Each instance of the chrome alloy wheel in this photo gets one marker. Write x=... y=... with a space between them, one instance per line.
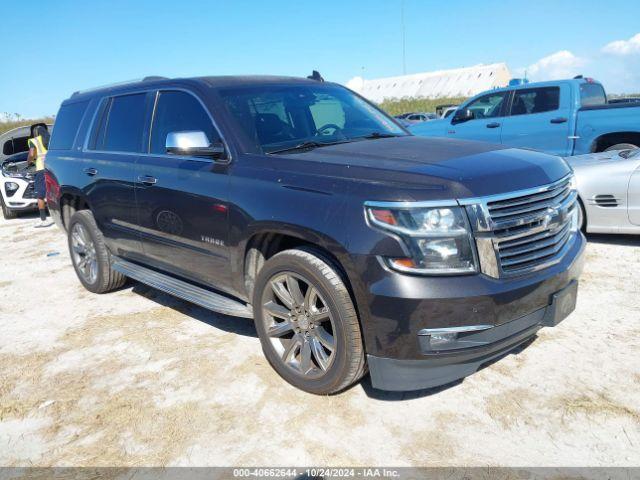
x=299 y=324
x=83 y=252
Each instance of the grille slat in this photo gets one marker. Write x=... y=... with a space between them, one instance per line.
x=529 y=204
x=549 y=240
x=540 y=251
x=532 y=230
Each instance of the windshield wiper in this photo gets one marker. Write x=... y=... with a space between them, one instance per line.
x=307 y=145
x=374 y=135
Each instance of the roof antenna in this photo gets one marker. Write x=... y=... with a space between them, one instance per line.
x=316 y=76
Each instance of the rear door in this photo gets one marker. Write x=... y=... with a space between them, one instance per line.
x=539 y=118
x=182 y=200
x=112 y=150
x=486 y=125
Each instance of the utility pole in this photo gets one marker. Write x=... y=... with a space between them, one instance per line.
x=404 y=46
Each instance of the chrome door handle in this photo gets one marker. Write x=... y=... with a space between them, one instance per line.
x=92 y=172
x=147 y=179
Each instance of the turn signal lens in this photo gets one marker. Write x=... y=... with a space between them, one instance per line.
x=384 y=216
x=402 y=263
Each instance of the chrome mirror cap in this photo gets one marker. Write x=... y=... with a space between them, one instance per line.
x=186 y=142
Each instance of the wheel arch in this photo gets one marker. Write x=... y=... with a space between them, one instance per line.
x=71 y=200
x=607 y=140
x=264 y=243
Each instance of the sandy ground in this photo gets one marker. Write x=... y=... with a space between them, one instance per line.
x=138 y=378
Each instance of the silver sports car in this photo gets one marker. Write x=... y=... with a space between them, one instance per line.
x=609 y=187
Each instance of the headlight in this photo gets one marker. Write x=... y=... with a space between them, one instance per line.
x=438 y=238
x=11 y=188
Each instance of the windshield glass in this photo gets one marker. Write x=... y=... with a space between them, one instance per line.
x=280 y=117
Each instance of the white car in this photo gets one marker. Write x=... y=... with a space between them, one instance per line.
x=17 y=193
x=608 y=184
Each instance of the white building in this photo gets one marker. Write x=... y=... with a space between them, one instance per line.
x=459 y=82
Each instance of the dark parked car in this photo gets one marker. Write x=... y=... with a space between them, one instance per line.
x=351 y=243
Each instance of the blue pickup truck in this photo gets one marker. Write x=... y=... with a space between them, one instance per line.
x=565 y=117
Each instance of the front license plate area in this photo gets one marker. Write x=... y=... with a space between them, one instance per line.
x=562 y=304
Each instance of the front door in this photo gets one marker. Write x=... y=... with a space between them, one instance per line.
x=182 y=200
x=540 y=119
x=486 y=124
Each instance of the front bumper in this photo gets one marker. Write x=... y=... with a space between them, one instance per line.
x=449 y=365
x=402 y=309
x=24 y=197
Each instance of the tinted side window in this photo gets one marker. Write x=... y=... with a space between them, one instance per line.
x=487 y=106
x=535 y=100
x=592 y=94
x=178 y=112
x=121 y=125
x=67 y=123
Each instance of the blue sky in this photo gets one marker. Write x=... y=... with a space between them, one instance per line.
x=75 y=45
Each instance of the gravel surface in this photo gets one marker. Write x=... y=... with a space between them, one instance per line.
x=136 y=378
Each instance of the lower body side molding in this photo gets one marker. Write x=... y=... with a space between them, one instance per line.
x=184 y=290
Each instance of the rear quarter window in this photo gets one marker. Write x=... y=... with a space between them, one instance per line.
x=67 y=123
x=592 y=94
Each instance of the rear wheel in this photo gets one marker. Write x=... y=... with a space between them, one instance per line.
x=89 y=254
x=7 y=213
x=621 y=146
x=307 y=323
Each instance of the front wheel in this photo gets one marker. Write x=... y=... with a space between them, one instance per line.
x=582 y=217
x=7 y=213
x=621 y=146
x=307 y=323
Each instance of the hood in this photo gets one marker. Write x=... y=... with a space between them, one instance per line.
x=16 y=166
x=463 y=168
x=594 y=158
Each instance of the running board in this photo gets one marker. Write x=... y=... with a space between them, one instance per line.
x=184 y=290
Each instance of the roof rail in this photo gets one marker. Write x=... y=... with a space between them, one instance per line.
x=150 y=78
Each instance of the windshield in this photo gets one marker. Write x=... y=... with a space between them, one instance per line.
x=282 y=117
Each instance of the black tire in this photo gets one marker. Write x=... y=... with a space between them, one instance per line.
x=347 y=363
x=621 y=146
x=106 y=279
x=7 y=213
x=582 y=217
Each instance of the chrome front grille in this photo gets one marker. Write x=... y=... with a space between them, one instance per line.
x=525 y=231
x=533 y=204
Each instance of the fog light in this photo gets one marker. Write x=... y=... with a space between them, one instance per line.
x=439 y=339
x=11 y=188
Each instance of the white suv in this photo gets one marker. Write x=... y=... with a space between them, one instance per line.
x=17 y=193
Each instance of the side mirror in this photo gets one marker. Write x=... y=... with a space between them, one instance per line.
x=463 y=116
x=193 y=143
